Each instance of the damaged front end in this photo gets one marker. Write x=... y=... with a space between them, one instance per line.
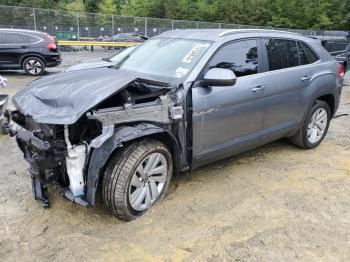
x=72 y=155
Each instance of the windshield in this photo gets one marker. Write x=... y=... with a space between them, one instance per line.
x=121 y=55
x=165 y=57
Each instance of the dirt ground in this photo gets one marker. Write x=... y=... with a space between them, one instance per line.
x=275 y=203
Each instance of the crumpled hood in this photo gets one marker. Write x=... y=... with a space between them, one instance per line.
x=64 y=98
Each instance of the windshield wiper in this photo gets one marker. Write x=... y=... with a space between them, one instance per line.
x=116 y=66
x=153 y=83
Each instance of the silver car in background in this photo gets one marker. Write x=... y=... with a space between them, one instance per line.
x=104 y=62
x=179 y=101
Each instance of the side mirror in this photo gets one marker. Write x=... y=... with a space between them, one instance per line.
x=219 y=77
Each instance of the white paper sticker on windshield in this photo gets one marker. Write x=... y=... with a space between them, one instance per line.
x=193 y=53
x=181 y=72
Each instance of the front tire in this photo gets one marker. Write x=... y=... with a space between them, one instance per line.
x=34 y=66
x=315 y=126
x=136 y=178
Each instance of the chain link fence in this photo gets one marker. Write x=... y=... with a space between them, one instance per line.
x=68 y=25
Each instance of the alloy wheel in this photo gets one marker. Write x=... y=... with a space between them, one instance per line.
x=317 y=125
x=34 y=67
x=148 y=181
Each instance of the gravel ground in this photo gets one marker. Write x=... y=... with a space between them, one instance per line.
x=274 y=203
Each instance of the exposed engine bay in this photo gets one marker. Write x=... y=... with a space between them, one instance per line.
x=64 y=154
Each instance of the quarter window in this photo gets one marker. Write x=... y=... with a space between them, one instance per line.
x=240 y=57
x=12 y=38
x=282 y=53
x=31 y=39
x=307 y=56
x=310 y=54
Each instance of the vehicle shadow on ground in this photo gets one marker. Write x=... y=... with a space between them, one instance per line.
x=254 y=154
x=206 y=172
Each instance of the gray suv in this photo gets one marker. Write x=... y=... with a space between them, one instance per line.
x=178 y=101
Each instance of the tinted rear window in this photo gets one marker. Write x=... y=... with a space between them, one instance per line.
x=12 y=38
x=31 y=39
x=282 y=53
x=335 y=47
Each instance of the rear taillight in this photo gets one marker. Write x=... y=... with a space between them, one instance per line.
x=51 y=44
x=340 y=71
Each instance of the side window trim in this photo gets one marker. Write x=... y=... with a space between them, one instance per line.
x=299 y=44
x=259 y=46
x=264 y=56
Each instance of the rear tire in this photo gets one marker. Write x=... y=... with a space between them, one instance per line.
x=130 y=186
x=34 y=66
x=315 y=126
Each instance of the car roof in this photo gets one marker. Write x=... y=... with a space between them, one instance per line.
x=221 y=34
x=11 y=30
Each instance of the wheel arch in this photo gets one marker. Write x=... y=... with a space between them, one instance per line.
x=123 y=135
x=330 y=100
x=25 y=56
x=327 y=97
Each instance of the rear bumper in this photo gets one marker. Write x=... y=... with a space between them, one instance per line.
x=53 y=60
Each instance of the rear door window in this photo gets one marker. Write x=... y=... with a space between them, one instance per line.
x=282 y=53
x=241 y=57
x=12 y=38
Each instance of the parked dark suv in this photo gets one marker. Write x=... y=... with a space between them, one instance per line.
x=176 y=102
x=31 y=51
x=339 y=48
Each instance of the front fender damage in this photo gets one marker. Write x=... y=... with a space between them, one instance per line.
x=77 y=153
x=100 y=155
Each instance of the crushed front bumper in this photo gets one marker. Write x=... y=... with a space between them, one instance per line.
x=35 y=153
x=46 y=158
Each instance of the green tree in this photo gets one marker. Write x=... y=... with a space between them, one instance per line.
x=308 y=14
x=108 y=7
x=137 y=7
x=76 y=5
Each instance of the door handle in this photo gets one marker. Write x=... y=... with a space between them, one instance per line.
x=24 y=47
x=305 y=78
x=258 y=89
